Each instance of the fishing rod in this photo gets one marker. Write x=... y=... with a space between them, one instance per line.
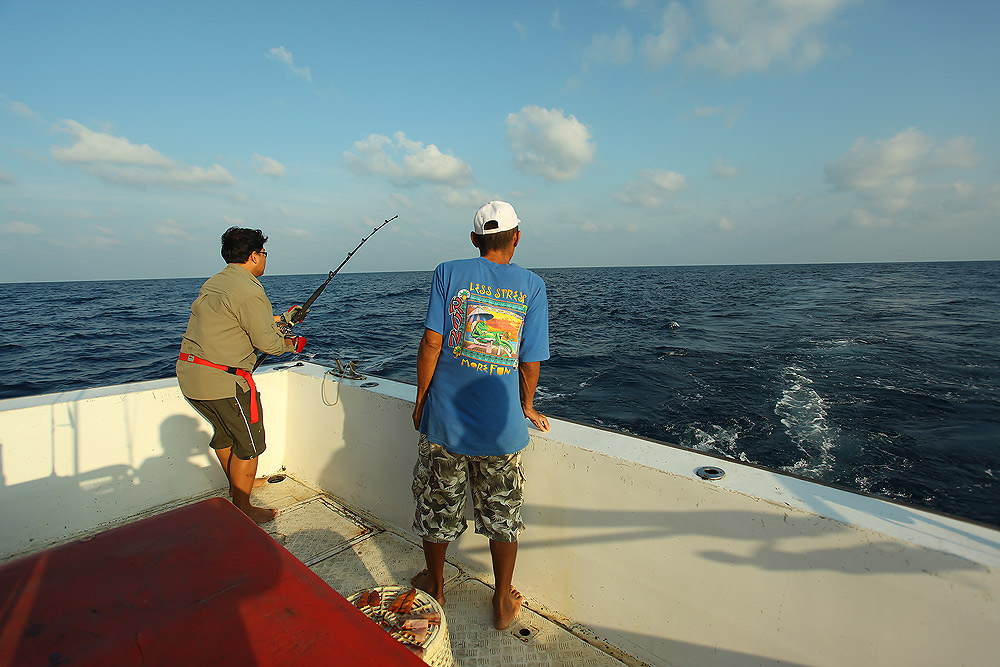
x=300 y=314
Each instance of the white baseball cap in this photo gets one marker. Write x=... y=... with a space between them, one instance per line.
x=494 y=217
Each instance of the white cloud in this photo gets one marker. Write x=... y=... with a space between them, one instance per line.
x=99 y=147
x=101 y=239
x=554 y=20
x=21 y=228
x=282 y=55
x=615 y=49
x=675 y=26
x=752 y=35
x=117 y=160
x=406 y=162
x=23 y=110
x=730 y=113
x=890 y=175
x=548 y=143
x=723 y=169
x=862 y=218
x=296 y=232
x=963 y=188
x=401 y=200
x=652 y=189
x=706 y=111
x=725 y=224
x=267 y=166
x=5 y=177
x=521 y=28
x=883 y=173
x=471 y=199
x=959 y=153
x=171 y=232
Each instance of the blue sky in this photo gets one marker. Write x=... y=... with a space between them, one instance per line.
x=624 y=132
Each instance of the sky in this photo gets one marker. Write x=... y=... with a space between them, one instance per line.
x=624 y=132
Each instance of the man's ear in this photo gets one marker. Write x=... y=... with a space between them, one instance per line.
x=472 y=237
x=517 y=237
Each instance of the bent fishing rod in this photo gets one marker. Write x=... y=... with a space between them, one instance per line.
x=300 y=314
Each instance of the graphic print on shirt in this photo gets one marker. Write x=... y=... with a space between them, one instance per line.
x=486 y=332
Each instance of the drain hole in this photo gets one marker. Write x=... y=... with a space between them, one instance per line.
x=274 y=479
x=524 y=632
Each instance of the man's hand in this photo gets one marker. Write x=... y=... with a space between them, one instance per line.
x=427 y=358
x=298 y=342
x=540 y=421
x=292 y=316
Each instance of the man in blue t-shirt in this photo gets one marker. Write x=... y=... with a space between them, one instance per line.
x=485 y=336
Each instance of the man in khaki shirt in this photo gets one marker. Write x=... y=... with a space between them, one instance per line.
x=230 y=321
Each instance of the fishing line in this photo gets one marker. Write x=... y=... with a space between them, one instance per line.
x=300 y=314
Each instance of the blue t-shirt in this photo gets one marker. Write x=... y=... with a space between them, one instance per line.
x=491 y=317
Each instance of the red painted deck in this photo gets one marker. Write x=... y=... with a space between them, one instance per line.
x=200 y=585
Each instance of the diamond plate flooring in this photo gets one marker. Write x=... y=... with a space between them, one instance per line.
x=351 y=553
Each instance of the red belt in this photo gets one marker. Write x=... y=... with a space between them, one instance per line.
x=254 y=416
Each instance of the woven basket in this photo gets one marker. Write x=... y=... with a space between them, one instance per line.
x=436 y=645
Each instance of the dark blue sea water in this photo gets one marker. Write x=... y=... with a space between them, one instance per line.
x=883 y=378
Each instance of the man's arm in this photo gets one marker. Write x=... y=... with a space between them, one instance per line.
x=427 y=358
x=527 y=375
x=255 y=315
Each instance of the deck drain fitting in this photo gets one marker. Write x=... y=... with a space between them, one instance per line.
x=274 y=479
x=368 y=385
x=710 y=472
x=524 y=632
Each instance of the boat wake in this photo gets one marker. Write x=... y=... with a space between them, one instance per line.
x=803 y=412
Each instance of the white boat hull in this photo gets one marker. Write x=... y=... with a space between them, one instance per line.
x=623 y=539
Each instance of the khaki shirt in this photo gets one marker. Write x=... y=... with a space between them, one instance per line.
x=229 y=320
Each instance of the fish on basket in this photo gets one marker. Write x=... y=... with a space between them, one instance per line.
x=403 y=603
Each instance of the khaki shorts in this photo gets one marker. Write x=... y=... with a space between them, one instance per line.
x=440 y=484
x=230 y=417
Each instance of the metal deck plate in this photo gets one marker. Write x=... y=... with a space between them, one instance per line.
x=282 y=495
x=384 y=559
x=317 y=528
x=531 y=640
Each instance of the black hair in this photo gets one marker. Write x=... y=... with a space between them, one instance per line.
x=239 y=243
x=496 y=241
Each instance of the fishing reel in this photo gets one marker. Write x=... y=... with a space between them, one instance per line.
x=290 y=318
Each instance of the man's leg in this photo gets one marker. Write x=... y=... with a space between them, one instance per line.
x=506 y=599
x=431 y=580
x=439 y=488
x=224 y=455
x=241 y=474
x=498 y=517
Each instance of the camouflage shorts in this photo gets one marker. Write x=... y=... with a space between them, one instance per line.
x=440 y=483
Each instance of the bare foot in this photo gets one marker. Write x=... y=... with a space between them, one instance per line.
x=259 y=514
x=422 y=580
x=506 y=608
x=260 y=481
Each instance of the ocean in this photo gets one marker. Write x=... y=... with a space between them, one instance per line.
x=881 y=378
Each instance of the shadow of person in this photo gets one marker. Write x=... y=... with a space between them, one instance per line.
x=174 y=474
